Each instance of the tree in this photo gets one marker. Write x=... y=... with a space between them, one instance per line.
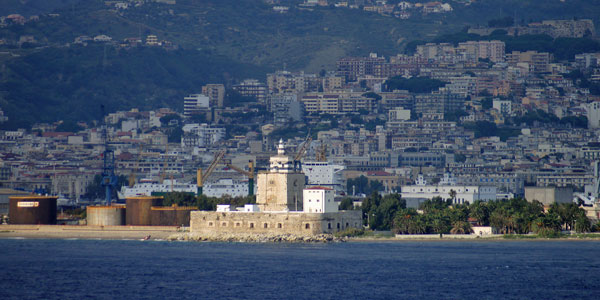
x=387 y=209
x=372 y=95
x=439 y=223
x=499 y=220
x=501 y=22
x=548 y=225
x=487 y=102
x=461 y=227
x=434 y=205
x=346 y=204
x=583 y=224
x=175 y=135
x=179 y=199
x=452 y=195
x=68 y=126
x=460 y=158
x=413 y=85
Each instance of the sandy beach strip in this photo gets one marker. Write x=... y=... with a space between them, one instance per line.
x=87 y=232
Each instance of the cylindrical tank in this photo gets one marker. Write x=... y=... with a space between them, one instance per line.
x=171 y=215
x=32 y=210
x=138 y=210
x=106 y=215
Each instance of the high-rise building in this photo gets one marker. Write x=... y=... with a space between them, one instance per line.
x=252 y=88
x=538 y=61
x=353 y=67
x=195 y=104
x=215 y=93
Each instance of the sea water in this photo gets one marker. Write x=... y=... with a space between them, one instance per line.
x=107 y=269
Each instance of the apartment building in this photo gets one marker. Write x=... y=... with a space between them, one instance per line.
x=215 y=93
x=194 y=104
x=252 y=88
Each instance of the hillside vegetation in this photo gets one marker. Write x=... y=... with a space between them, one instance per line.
x=220 y=41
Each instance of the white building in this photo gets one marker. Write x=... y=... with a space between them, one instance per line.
x=399 y=114
x=593 y=114
x=226 y=186
x=464 y=193
x=146 y=187
x=319 y=200
x=502 y=106
x=195 y=103
x=326 y=174
x=201 y=135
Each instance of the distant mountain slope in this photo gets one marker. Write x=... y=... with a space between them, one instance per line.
x=32 y=7
x=71 y=83
x=222 y=41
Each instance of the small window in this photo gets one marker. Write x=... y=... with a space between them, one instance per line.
x=210 y=224
x=279 y=225
x=224 y=224
x=251 y=225
x=307 y=226
x=265 y=225
x=237 y=224
x=346 y=225
x=338 y=225
x=328 y=225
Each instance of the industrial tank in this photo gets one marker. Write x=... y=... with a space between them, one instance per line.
x=32 y=210
x=171 y=215
x=138 y=210
x=105 y=215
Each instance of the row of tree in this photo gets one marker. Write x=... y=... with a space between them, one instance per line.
x=439 y=216
x=204 y=202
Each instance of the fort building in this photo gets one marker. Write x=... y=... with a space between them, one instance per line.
x=283 y=206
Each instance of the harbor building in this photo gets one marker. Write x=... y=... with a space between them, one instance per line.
x=283 y=206
x=422 y=191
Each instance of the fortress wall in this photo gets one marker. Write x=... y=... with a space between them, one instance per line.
x=298 y=223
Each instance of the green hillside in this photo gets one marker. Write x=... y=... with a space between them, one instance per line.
x=219 y=41
x=71 y=83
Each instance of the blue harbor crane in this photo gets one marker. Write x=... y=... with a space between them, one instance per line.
x=109 y=179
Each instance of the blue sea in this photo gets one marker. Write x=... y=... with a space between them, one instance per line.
x=108 y=269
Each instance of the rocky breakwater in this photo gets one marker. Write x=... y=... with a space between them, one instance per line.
x=255 y=238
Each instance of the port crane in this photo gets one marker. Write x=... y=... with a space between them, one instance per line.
x=219 y=158
x=301 y=152
x=109 y=179
x=201 y=177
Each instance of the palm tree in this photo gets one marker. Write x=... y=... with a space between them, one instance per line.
x=452 y=195
x=583 y=224
x=480 y=212
x=417 y=225
x=498 y=219
x=461 y=227
x=440 y=223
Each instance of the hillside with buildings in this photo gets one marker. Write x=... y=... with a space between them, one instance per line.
x=385 y=105
x=149 y=54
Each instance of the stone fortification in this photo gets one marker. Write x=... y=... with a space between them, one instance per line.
x=296 y=223
x=280 y=188
x=280 y=191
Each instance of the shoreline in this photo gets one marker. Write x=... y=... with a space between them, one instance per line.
x=174 y=233
x=87 y=232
